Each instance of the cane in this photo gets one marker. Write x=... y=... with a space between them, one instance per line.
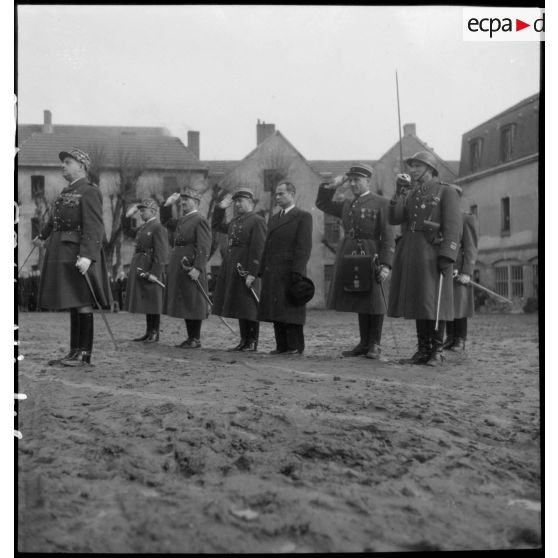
x=243 y=273
x=439 y=300
x=496 y=295
x=202 y=291
x=88 y=281
x=25 y=261
x=146 y=273
x=376 y=261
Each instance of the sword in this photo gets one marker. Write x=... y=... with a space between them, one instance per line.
x=202 y=291
x=439 y=300
x=88 y=281
x=471 y=282
x=25 y=261
x=151 y=280
x=243 y=274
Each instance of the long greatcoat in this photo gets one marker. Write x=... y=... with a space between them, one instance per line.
x=246 y=238
x=287 y=249
x=365 y=218
x=192 y=239
x=74 y=228
x=151 y=255
x=463 y=299
x=415 y=277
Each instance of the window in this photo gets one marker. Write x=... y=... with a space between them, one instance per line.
x=170 y=185
x=505 y=215
x=502 y=280
x=475 y=154
x=516 y=280
x=37 y=187
x=271 y=178
x=332 y=229
x=507 y=137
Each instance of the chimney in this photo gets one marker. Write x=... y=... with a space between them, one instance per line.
x=194 y=143
x=410 y=129
x=263 y=131
x=47 y=122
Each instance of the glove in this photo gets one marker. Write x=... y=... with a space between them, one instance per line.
x=382 y=273
x=463 y=278
x=249 y=280
x=402 y=183
x=131 y=210
x=38 y=242
x=444 y=264
x=83 y=264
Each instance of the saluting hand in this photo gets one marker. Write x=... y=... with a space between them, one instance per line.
x=226 y=201
x=83 y=264
x=131 y=210
x=173 y=198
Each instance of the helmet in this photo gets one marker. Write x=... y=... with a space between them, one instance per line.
x=426 y=158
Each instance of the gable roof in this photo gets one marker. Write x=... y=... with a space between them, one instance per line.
x=157 y=152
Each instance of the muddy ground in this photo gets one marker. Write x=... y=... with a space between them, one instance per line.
x=161 y=449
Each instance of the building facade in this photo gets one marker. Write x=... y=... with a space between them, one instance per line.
x=499 y=174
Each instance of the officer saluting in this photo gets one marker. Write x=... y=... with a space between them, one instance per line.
x=192 y=243
x=368 y=234
x=144 y=295
x=246 y=237
x=75 y=232
x=422 y=284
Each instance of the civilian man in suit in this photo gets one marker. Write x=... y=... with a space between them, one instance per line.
x=74 y=237
x=286 y=252
x=246 y=237
x=192 y=240
x=367 y=232
x=144 y=295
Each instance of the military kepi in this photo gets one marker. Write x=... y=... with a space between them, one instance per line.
x=361 y=169
x=149 y=203
x=243 y=193
x=77 y=154
x=191 y=193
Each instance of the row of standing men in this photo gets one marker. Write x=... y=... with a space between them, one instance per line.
x=263 y=274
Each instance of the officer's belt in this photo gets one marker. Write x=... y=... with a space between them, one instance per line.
x=420 y=228
x=238 y=244
x=142 y=250
x=356 y=235
x=181 y=243
x=61 y=228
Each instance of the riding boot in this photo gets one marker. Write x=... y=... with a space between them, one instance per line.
x=450 y=335
x=85 y=342
x=74 y=339
x=437 y=354
x=424 y=343
x=252 y=335
x=364 y=343
x=153 y=336
x=243 y=336
x=147 y=329
x=376 y=322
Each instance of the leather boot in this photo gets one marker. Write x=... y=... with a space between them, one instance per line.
x=437 y=355
x=374 y=352
x=152 y=337
x=240 y=346
x=83 y=358
x=458 y=346
x=251 y=346
x=74 y=339
x=148 y=328
x=358 y=350
x=190 y=343
x=449 y=343
x=73 y=354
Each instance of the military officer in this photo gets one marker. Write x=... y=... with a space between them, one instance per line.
x=73 y=236
x=192 y=243
x=463 y=298
x=237 y=285
x=367 y=232
x=285 y=255
x=144 y=291
x=421 y=285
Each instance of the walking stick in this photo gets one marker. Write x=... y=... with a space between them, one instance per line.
x=88 y=281
x=439 y=300
x=471 y=282
x=25 y=261
x=386 y=306
x=142 y=272
x=202 y=291
x=243 y=273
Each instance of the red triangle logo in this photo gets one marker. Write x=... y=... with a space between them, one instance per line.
x=519 y=25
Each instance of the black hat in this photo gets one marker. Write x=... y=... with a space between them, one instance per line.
x=361 y=169
x=243 y=193
x=301 y=291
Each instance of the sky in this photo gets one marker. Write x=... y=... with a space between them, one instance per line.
x=324 y=75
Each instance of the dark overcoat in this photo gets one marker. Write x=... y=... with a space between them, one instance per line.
x=463 y=299
x=75 y=228
x=286 y=251
x=415 y=278
x=151 y=255
x=246 y=237
x=192 y=239
x=366 y=227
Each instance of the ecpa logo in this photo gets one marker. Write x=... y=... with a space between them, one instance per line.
x=503 y=24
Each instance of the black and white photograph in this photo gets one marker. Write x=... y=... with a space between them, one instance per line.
x=277 y=278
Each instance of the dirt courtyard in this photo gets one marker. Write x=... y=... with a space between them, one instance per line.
x=161 y=449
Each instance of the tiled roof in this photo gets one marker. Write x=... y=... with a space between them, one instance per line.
x=25 y=131
x=156 y=151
